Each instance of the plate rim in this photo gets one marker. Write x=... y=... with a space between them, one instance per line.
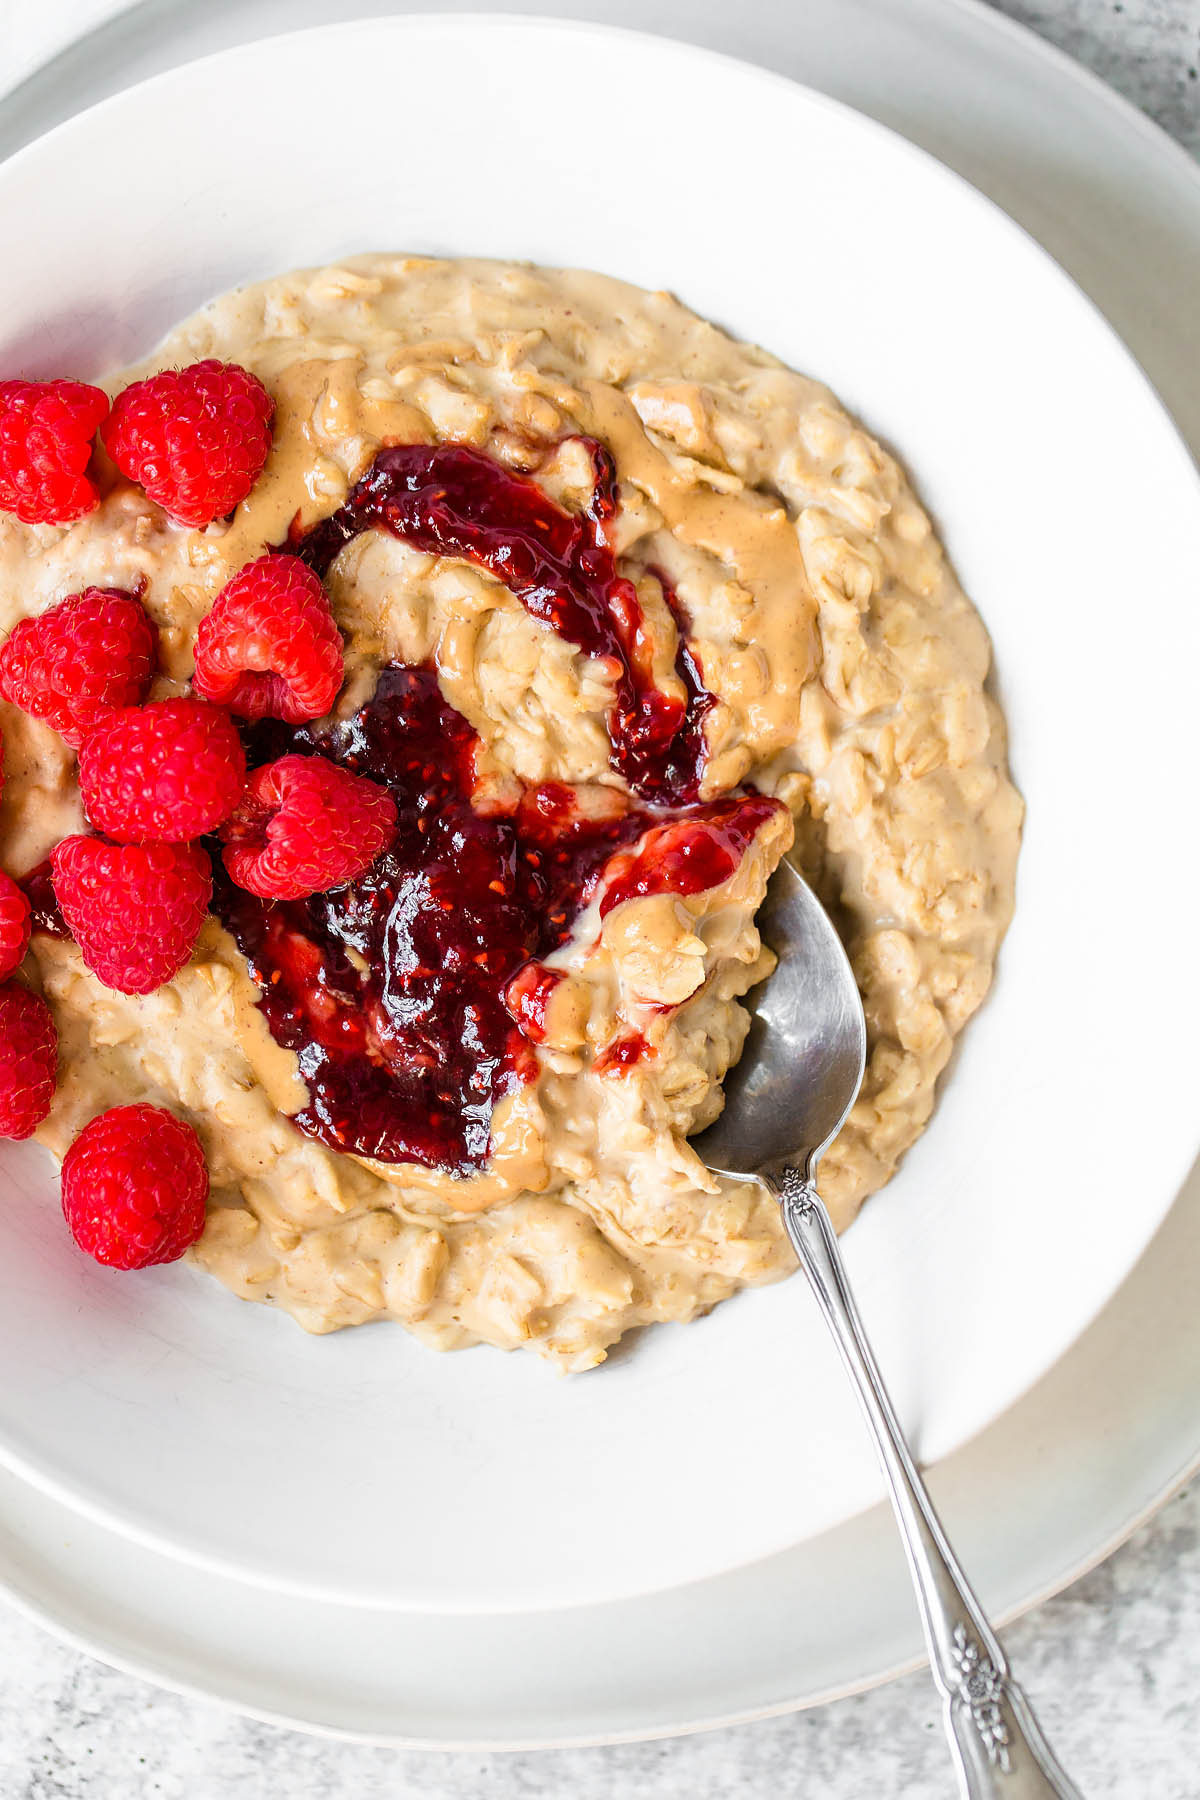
x=43 y=1613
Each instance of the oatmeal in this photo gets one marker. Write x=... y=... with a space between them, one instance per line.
x=630 y=612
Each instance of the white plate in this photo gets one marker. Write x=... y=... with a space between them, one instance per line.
x=1121 y=205
x=1095 y=1445
x=362 y=1467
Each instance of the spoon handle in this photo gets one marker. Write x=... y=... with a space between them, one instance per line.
x=997 y=1744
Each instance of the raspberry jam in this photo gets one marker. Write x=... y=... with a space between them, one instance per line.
x=688 y=855
x=451 y=500
x=414 y=996
x=45 y=915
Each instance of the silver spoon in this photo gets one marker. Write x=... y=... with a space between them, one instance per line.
x=785 y=1102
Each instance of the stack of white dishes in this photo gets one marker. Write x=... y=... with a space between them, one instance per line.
x=344 y=1532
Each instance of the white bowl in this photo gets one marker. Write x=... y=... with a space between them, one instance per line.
x=361 y=1466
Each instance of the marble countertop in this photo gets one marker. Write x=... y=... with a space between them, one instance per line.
x=1114 y=1662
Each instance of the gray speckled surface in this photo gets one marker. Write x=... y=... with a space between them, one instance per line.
x=1114 y=1662
x=1148 y=49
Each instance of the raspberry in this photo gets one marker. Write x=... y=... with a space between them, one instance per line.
x=269 y=647
x=134 y=1187
x=14 y=925
x=304 y=825
x=46 y=432
x=171 y=770
x=28 y=1059
x=196 y=438
x=135 y=910
x=77 y=663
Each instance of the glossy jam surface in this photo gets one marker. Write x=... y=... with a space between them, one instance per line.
x=452 y=500
x=623 y=1053
x=393 y=990
x=413 y=997
x=691 y=854
x=45 y=914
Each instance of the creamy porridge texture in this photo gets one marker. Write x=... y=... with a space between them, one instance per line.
x=768 y=537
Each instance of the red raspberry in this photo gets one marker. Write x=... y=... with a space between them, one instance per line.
x=77 y=663
x=134 y=1187
x=28 y=1060
x=269 y=647
x=46 y=432
x=304 y=825
x=196 y=438
x=14 y=925
x=135 y=910
x=171 y=770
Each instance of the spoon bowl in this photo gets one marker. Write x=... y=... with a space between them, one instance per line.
x=803 y=1060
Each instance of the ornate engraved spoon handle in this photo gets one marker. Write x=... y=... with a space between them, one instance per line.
x=997 y=1744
